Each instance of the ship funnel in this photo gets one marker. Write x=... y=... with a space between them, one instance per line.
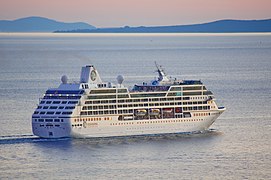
x=90 y=75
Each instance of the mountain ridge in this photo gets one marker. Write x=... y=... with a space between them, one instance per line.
x=40 y=24
x=219 y=26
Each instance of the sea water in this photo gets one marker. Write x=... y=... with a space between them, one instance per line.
x=235 y=67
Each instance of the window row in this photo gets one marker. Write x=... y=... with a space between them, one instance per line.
x=52 y=112
x=99 y=107
x=202 y=114
x=156 y=122
x=137 y=100
x=158 y=115
x=49 y=125
x=56 y=107
x=48 y=120
x=93 y=119
x=58 y=102
x=196 y=108
x=113 y=107
x=61 y=97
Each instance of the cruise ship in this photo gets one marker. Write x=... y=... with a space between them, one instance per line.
x=94 y=108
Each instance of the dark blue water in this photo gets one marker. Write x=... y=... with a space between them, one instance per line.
x=236 y=67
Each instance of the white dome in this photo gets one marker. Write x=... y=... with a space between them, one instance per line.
x=120 y=79
x=64 y=79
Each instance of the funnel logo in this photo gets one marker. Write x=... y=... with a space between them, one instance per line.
x=93 y=75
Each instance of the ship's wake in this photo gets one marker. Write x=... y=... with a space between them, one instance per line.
x=25 y=138
x=28 y=138
x=152 y=137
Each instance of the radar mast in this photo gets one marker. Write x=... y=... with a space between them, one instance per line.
x=162 y=75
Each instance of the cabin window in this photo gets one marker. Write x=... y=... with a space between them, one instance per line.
x=192 y=88
x=83 y=113
x=89 y=108
x=122 y=90
x=69 y=107
x=88 y=102
x=192 y=93
x=104 y=102
x=176 y=89
x=103 y=91
x=72 y=102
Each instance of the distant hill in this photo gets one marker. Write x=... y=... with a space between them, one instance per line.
x=40 y=24
x=222 y=26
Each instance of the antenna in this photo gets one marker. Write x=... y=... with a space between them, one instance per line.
x=162 y=75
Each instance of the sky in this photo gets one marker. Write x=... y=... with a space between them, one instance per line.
x=118 y=13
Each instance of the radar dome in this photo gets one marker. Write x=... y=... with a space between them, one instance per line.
x=120 y=79
x=64 y=79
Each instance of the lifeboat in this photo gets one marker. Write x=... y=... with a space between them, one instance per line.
x=154 y=112
x=141 y=112
x=167 y=110
x=128 y=118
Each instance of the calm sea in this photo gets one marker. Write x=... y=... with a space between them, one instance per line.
x=236 y=67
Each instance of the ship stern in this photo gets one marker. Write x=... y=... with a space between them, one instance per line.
x=51 y=128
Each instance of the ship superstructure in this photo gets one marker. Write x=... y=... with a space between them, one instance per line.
x=93 y=108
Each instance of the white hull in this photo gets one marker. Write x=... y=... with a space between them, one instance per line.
x=115 y=127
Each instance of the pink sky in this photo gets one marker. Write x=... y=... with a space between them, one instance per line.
x=112 y=13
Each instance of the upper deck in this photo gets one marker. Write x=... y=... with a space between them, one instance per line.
x=92 y=96
x=92 y=85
